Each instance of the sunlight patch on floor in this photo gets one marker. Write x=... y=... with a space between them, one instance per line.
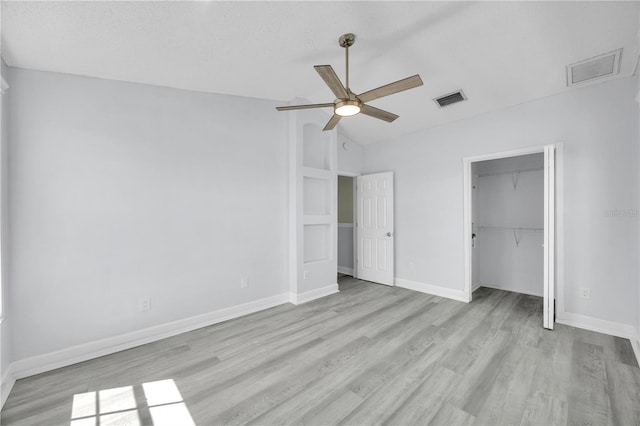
x=118 y=406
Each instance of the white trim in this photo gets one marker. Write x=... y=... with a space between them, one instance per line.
x=8 y=380
x=434 y=290
x=83 y=352
x=308 y=296
x=635 y=344
x=348 y=174
x=598 y=325
x=559 y=227
x=505 y=154
x=345 y=225
x=528 y=293
x=345 y=270
x=549 y=237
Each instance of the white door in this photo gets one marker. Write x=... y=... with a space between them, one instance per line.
x=374 y=228
x=549 y=237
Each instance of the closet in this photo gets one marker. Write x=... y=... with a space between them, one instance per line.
x=508 y=224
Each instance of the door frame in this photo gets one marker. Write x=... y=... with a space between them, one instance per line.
x=355 y=216
x=554 y=223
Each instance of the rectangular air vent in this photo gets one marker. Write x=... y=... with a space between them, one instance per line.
x=451 y=98
x=605 y=65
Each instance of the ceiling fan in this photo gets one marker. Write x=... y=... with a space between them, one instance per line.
x=347 y=102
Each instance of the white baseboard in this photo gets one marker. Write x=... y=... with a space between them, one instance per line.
x=448 y=293
x=345 y=270
x=504 y=289
x=598 y=325
x=635 y=344
x=83 y=352
x=308 y=296
x=8 y=380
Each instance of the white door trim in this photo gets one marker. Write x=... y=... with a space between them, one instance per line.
x=549 y=237
x=348 y=174
x=558 y=274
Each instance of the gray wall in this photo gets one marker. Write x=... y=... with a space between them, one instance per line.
x=5 y=327
x=345 y=247
x=345 y=199
x=598 y=127
x=349 y=155
x=637 y=138
x=121 y=191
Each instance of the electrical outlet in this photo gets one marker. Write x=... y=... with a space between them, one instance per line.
x=305 y=275
x=144 y=303
x=244 y=283
x=585 y=293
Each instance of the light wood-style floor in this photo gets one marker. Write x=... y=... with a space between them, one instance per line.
x=369 y=355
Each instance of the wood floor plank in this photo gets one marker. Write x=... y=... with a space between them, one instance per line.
x=623 y=383
x=544 y=409
x=588 y=401
x=422 y=405
x=371 y=354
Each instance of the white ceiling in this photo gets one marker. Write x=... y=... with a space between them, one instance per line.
x=499 y=53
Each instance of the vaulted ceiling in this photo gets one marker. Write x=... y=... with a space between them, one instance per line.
x=499 y=53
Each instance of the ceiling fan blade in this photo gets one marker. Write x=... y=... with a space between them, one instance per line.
x=332 y=122
x=378 y=113
x=391 y=88
x=289 y=108
x=331 y=78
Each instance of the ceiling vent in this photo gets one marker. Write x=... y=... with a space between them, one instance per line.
x=601 y=66
x=451 y=98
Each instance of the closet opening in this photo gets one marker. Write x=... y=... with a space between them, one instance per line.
x=510 y=225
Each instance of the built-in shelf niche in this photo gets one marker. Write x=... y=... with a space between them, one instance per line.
x=317 y=243
x=316 y=149
x=317 y=196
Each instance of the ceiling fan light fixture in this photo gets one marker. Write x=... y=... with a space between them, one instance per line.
x=346 y=102
x=347 y=108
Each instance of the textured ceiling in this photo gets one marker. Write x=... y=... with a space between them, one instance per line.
x=499 y=53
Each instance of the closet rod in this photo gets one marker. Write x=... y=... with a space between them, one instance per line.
x=506 y=172
x=508 y=228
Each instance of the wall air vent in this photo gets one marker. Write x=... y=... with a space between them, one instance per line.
x=450 y=98
x=601 y=66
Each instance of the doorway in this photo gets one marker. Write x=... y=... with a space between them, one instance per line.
x=365 y=235
x=346 y=216
x=509 y=224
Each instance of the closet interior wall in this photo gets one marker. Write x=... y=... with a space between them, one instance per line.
x=507 y=206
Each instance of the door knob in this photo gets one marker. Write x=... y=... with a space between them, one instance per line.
x=388 y=234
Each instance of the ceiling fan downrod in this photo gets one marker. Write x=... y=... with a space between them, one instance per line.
x=347 y=40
